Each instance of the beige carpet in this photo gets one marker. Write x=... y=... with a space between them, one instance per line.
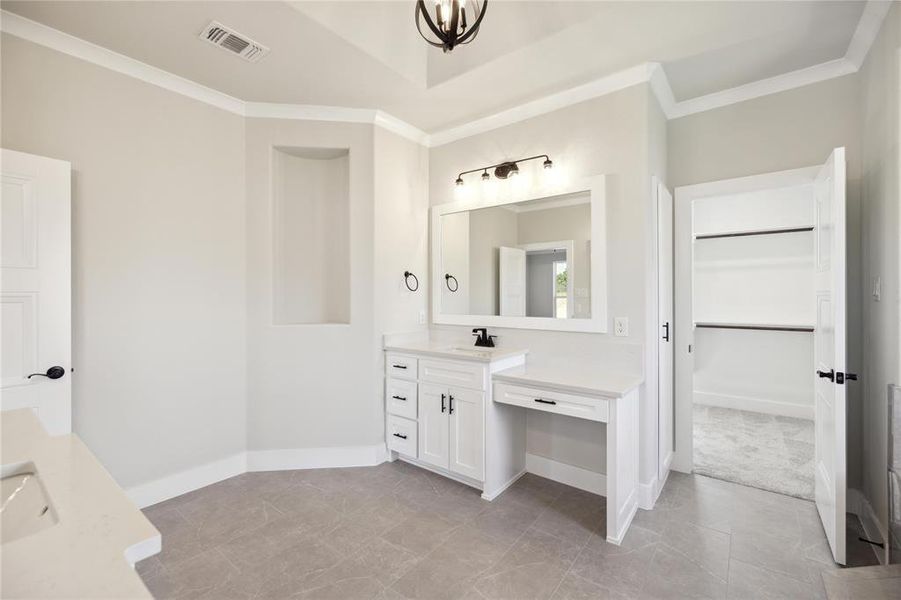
x=763 y=451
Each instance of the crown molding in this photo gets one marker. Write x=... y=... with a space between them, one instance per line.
x=401 y=128
x=868 y=27
x=763 y=87
x=65 y=43
x=43 y=35
x=593 y=89
x=308 y=112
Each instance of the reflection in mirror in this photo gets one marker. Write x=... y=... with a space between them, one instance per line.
x=528 y=259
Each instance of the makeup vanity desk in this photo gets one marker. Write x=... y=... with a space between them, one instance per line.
x=463 y=415
x=584 y=392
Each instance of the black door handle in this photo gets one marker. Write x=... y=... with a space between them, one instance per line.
x=398 y=435
x=450 y=405
x=399 y=398
x=543 y=401
x=443 y=408
x=666 y=335
x=830 y=375
x=52 y=373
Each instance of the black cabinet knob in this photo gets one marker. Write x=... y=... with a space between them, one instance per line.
x=52 y=373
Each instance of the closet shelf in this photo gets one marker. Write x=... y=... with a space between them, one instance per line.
x=755 y=326
x=778 y=230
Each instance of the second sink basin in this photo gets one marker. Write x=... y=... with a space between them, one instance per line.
x=25 y=508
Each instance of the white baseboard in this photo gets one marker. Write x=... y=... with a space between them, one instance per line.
x=186 y=481
x=164 y=488
x=316 y=458
x=503 y=488
x=858 y=504
x=650 y=491
x=577 y=477
x=759 y=405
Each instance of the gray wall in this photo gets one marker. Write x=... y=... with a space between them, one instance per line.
x=158 y=258
x=606 y=135
x=880 y=198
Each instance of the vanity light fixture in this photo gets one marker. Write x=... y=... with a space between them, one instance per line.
x=450 y=26
x=505 y=170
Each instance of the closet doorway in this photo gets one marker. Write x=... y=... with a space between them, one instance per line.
x=760 y=348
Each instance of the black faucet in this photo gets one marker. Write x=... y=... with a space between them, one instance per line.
x=482 y=337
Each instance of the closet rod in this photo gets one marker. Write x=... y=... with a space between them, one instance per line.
x=708 y=236
x=805 y=328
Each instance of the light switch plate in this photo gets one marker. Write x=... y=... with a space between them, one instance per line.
x=877 y=289
x=621 y=326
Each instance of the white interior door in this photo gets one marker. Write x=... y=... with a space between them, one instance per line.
x=665 y=380
x=433 y=406
x=467 y=432
x=829 y=351
x=512 y=275
x=35 y=288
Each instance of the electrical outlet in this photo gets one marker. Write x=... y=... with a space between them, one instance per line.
x=423 y=317
x=621 y=326
x=877 y=289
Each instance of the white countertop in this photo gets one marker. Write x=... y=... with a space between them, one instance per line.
x=455 y=351
x=574 y=377
x=87 y=554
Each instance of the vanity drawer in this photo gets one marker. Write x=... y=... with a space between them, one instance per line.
x=582 y=407
x=401 y=435
x=400 y=365
x=401 y=397
x=467 y=375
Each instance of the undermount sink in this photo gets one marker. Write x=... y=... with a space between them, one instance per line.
x=472 y=351
x=25 y=508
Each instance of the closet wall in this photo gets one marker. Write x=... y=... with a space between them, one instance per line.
x=754 y=281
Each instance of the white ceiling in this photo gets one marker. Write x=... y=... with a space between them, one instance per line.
x=367 y=54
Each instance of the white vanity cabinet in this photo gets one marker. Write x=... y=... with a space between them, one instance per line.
x=452 y=429
x=444 y=395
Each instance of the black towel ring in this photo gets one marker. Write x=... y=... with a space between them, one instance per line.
x=447 y=278
x=407 y=276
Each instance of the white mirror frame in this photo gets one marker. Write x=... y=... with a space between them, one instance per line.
x=597 y=189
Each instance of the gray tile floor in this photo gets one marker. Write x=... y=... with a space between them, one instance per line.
x=397 y=531
x=769 y=452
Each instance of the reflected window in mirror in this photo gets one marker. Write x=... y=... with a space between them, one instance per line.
x=523 y=259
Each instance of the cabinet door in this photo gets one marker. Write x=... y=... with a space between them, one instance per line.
x=433 y=402
x=467 y=432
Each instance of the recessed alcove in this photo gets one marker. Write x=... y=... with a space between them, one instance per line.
x=311 y=235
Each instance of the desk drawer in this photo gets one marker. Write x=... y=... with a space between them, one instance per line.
x=581 y=407
x=452 y=373
x=401 y=365
x=401 y=435
x=401 y=397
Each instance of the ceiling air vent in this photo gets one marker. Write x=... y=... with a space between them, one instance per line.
x=231 y=40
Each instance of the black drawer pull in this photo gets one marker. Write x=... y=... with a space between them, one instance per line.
x=399 y=366
x=543 y=401
x=401 y=436
x=399 y=398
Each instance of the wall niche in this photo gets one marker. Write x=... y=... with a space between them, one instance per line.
x=311 y=235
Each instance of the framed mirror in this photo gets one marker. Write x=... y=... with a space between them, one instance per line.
x=523 y=262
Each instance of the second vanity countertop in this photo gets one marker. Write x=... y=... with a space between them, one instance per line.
x=573 y=377
x=454 y=351
x=86 y=553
